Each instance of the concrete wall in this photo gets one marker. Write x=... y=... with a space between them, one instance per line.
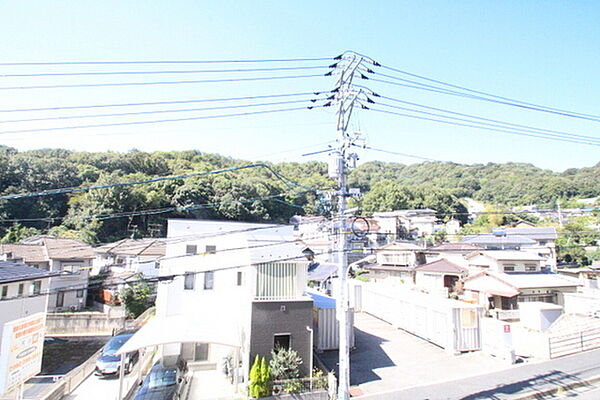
x=269 y=319
x=83 y=323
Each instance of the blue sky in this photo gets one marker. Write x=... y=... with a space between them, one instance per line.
x=544 y=52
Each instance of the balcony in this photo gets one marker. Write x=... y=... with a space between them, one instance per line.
x=505 y=315
x=280 y=281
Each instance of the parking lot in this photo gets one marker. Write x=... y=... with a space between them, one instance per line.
x=386 y=358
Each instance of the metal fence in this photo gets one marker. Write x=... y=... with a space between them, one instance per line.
x=300 y=385
x=570 y=343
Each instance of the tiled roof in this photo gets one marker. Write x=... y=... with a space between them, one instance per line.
x=455 y=247
x=442 y=266
x=489 y=238
x=509 y=255
x=537 y=233
x=67 y=249
x=15 y=272
x=25 y=252
x=138 y=247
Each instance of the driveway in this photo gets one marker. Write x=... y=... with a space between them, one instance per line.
x=387 y=358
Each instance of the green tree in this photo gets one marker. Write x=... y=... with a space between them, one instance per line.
x=285 y=364
x=136 y=297
x=17 y=232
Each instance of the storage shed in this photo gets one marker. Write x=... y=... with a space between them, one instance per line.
x=325 y=323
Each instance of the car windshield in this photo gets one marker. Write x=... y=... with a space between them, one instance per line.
x=160 y=377
x=115 y=344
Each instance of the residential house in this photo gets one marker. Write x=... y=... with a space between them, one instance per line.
x=240 y=286
x=500 y=280
x=22 y=291
x=545 y=242
x=454 y=252
x=406 y=224
x=69 y=259
x=397 y=261
x=440 y=274
x=137 y=256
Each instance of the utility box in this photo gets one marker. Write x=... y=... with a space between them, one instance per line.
x=326 y=325
x=336 y=165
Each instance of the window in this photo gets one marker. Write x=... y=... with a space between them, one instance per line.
x=79 y=293
x=239 y=278
x=210 y=249
x=209 y=280
x=201 y=352
x=282 y=341
x=4 y=291
x=21 y=288
x=36 y=287
x=60 y=299
x=191 y=249
x=189 y=281
x=530 y=267
x=509 y=267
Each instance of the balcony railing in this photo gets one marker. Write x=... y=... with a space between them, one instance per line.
x=505 y=315
x=280 y=281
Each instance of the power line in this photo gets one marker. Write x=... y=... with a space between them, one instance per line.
x=482 y=127
x=567 y=137
x=486 y=93
x=400 y=154
x=484 y=119
x=421 y=86
x=154 y=103
x=125 y=62
x=101 y=73
x=224 y=80
x=159 y=111
x=160 y=121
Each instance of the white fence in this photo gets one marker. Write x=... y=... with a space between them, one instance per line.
x=450 y=324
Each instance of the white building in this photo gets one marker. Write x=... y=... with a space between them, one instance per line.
x=20 y=286
x=70 y=261
x=406 y=224
x=138 y=256
x=231 y=289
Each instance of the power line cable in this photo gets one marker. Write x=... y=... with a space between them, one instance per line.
x=154 y=103
x=486 y=93
x=162 y=72
x=113 y=84
x=482 y=127
x=430 y=88
x=160 y=121
x=126 y=62
x=569 y=137
x=160 y=111
x=484 y=119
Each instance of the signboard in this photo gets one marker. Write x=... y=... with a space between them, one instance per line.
x=21 y=350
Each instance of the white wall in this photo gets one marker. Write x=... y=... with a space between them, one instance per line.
x=22 y=306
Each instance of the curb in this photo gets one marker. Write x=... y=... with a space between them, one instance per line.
x=538 y=395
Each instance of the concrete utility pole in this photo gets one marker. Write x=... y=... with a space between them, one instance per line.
x=341 y=160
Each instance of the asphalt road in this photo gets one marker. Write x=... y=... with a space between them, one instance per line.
x=96 y=388
x=513 y=383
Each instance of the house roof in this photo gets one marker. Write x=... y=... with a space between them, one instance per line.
x=457 y=246
x=508 y=255
x=25 y=252
x=401 y=246
x=490 y=238
x=67 y=249
x=15 y=272
x=509 y=285
x=442 y=266
x=321 y=271
x=536 y=233
x=135 y=247
x=320 y=300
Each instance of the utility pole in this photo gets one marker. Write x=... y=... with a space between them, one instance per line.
x=341 y=160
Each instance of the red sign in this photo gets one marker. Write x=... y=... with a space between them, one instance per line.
x=506 y=328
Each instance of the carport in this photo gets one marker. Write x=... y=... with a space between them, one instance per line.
x=179 y=329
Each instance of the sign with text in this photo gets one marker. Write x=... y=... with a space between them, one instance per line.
x=21 y=350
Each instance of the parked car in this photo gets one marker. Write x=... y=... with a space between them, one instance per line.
x=109 y=363
x=165 y=380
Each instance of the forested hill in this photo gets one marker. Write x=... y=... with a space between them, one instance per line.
x=253 y=194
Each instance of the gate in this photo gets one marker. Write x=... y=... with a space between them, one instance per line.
x=576 y=342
